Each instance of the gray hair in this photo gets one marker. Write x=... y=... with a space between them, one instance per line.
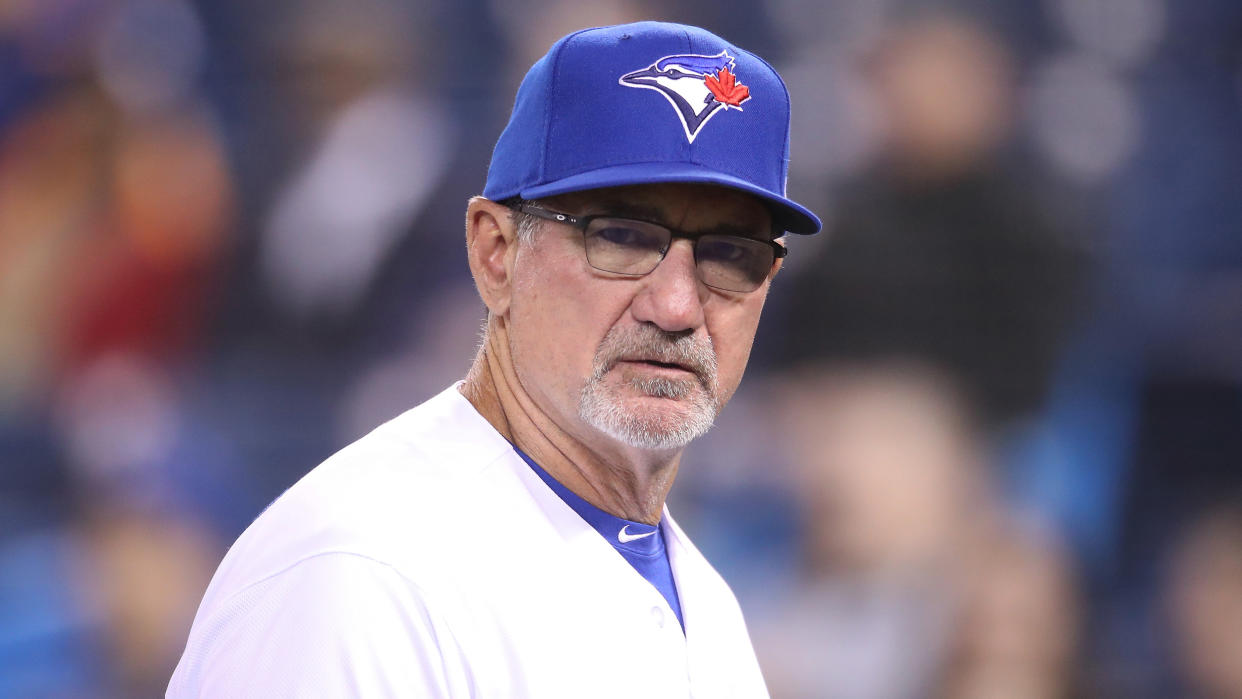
x=525 y=223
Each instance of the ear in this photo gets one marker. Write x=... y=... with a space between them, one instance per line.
x=779 y=264
x=491 y=246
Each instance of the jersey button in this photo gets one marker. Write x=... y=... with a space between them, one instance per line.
x=657 y=615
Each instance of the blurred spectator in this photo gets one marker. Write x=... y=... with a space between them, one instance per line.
x=945 y=89
x=143 y=574
x=935 y=253
x=148 y=278
x=914 y=580
x=1020 y=622
x=92 y=272
x=378 y=145
x=49 y=165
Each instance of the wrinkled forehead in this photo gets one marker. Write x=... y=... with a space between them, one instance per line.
x=683 y=206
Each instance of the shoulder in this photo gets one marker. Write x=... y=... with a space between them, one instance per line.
x=352 y=559
x=397 y=495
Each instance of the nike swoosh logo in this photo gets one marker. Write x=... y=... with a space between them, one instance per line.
x=625 y=538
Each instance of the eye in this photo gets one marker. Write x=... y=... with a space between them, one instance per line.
x=630 y=235
x=733 y=263
x=719 y=249
x=618 y=234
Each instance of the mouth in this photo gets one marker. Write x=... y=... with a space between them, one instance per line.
x=654 y=369
x=657 y=364
x=666 y=365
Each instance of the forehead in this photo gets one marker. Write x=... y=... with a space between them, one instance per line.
x=686 y=206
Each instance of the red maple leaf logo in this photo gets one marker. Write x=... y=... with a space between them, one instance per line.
x=726 y=89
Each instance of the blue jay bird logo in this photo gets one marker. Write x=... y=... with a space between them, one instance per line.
x=697 y=86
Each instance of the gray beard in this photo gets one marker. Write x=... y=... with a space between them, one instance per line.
x=600 y=407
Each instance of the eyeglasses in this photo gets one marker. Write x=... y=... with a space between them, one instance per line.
x=633 y=247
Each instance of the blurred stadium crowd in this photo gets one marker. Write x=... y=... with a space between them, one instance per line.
x=990 y=444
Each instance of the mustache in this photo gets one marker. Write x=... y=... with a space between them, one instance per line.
x=651 y=343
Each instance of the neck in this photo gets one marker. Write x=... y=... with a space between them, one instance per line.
x=624 y=481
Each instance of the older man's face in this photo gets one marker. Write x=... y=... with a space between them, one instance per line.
x=645 y=361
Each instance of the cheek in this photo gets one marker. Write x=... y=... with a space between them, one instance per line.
x=538 y=316
x=732 y=327
x=558 y=318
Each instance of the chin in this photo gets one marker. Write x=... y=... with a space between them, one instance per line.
x=651 y=413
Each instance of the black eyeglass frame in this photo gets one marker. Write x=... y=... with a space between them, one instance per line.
x=583 y=222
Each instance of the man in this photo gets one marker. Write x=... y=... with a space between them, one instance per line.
x=508 y=538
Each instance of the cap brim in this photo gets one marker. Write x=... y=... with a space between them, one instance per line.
x=789 y=215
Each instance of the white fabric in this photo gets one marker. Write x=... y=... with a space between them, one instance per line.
x=428 y=560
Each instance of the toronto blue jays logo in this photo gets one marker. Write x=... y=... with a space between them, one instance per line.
x=697 y=86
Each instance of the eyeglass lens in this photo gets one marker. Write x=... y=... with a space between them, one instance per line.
x=625 y=246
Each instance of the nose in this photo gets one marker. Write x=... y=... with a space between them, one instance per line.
x=671 y=296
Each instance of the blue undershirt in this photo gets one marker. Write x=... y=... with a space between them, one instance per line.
x=641 y=545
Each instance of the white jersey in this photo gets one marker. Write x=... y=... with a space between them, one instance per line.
x=428 y=560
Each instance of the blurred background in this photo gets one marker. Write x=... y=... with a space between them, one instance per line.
x=990 y=441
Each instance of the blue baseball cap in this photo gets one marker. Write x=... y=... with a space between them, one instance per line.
x=646 y=103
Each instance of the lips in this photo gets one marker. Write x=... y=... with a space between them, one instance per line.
x=660 y=364
x=668 y=361
x=646 y=368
